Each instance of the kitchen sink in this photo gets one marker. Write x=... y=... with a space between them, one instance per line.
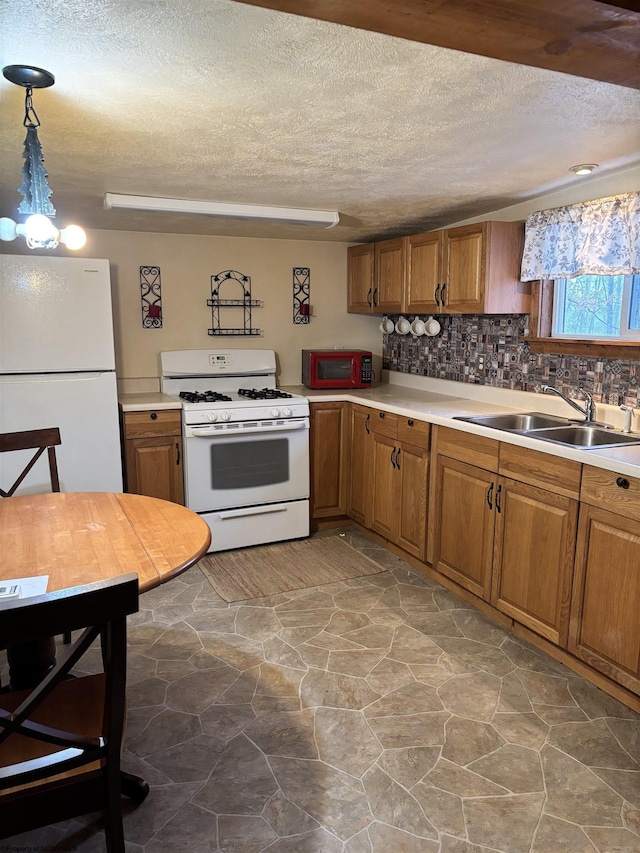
x=554 y=429
x=518 y=422
x=585 y=436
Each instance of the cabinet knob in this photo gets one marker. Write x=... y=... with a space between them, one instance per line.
x=410 y=423
x=381 y=414
x=622 y=482
x=153 y=416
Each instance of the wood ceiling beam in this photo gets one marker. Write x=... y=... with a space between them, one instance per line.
x=587 y=38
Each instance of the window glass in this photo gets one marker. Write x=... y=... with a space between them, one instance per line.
x=634 y=310
x=597 y=306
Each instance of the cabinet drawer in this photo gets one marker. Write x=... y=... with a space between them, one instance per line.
x=152 y=424
x=561 y=476
x=414 y=432
x=474 y=449
x=384 y=423
x=608 y=490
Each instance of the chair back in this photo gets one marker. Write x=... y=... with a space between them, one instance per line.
x=65 y=725
x=33 y=439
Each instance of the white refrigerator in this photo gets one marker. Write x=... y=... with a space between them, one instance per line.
x=57 y=369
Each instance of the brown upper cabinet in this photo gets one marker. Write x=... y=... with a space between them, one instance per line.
x=473 y=269
x=360 y=264
x=390 y=274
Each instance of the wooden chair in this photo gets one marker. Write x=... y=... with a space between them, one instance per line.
x=33 y=439
x=60 y=742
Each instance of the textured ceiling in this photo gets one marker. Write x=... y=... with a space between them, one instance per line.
x=213 y=100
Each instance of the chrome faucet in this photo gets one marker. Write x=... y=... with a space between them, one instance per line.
x=589 y=408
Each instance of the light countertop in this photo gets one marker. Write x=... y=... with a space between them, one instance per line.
x=147 y=402
x=436 y=408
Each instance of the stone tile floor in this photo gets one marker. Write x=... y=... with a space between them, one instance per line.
x=377 y=715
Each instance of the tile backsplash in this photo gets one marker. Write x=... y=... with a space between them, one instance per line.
x=508 y=360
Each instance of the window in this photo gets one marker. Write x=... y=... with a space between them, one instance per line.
x=597 y=307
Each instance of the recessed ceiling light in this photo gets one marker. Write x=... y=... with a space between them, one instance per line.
x=583 y=168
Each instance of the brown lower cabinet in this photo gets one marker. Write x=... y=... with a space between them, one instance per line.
x=328 y=451
x=464 y=524
x=399 y=473
x=358 y=490
x=605 y=611
x=153 y=454
x=509 y=542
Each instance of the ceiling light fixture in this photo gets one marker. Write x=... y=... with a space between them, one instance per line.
x=38 y=229
x=583 y=168
x=290 y=215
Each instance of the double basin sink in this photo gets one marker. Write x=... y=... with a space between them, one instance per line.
x=554 y=429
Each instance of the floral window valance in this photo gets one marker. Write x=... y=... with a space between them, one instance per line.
x=600 y=237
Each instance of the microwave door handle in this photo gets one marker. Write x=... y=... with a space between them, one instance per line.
x=209 y=432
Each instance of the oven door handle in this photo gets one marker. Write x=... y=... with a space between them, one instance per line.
x=208 y=432
x=252 y=510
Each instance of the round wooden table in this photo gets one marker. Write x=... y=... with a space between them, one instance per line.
x=79 y=537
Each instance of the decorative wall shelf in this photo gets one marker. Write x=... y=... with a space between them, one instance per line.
x=234 y=280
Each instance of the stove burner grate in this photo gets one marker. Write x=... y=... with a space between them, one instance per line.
x=204 y=397
x=264 y=394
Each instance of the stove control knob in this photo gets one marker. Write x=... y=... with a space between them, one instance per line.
x=275 y=413
x=224 y=416
x=286 y=412
x=211 y=416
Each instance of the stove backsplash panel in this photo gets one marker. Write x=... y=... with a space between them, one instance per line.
x=508 y=360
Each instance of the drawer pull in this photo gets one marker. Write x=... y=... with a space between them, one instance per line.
x=381 y=414
x=153 y=416
x=410 y=423
x=622 y=482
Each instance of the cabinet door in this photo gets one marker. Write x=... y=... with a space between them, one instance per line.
x=385 y=509
x=463 y=269
x=388 y=292
x=605 y=604
x=424 y=259
x=360 y=268
x=359 y=502
x=533 y=557
x=413 y=465
x=464 y=524
x=328 y=464
x=154 y=467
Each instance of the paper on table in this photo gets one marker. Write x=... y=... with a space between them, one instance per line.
x=30 y=586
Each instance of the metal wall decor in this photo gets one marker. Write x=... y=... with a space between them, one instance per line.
x=301 y=295
x=151 y=297
x=232 y=281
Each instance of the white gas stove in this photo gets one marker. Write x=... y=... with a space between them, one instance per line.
x=246 y=445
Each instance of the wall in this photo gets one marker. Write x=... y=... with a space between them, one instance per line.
x=508 y=361
x=187 y=263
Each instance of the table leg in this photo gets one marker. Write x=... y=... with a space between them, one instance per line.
x=30 y=662
x=134 y=787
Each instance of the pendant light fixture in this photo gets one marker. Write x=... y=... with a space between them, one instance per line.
x=38 y=229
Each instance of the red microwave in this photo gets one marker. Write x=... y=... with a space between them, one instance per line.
x=323 y=368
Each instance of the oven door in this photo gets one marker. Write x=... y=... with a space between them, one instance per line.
x=246 y=464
